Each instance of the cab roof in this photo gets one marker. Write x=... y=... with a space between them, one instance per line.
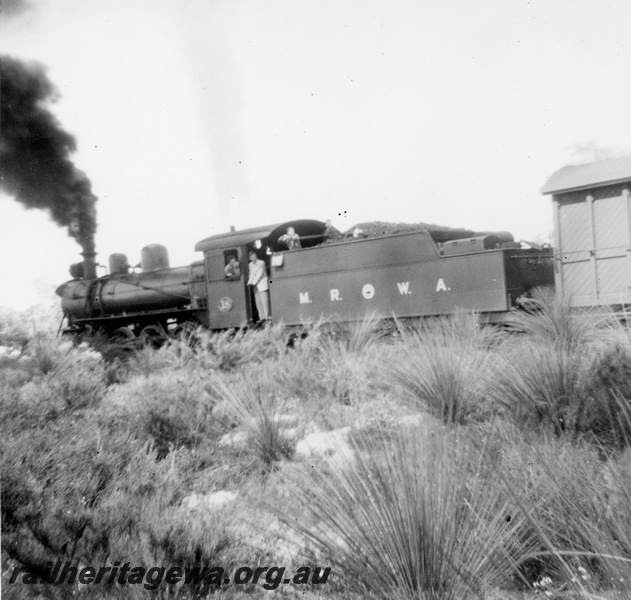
x=310 y=231
x=234 y=238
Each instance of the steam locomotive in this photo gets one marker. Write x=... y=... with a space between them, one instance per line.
x=343 y=277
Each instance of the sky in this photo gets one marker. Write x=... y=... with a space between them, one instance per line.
x=194 y=115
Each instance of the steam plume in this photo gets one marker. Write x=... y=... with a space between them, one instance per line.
x=591 y=152
x=35 y=152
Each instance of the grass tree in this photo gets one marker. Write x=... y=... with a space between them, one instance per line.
x=425 y=518
x=442 y=365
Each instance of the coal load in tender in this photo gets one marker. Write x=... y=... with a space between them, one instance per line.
x=371 y=229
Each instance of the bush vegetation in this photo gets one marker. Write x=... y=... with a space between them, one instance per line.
x=436 y=460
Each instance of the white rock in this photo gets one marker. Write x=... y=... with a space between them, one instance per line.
x=331 y=445
x=323 y=442
x=291 y=433
x=285 y=420
x=211 y=501
x=414 y=420
x=234 y=438
x=218 y=499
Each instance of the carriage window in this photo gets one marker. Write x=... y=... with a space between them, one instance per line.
x=232 y=268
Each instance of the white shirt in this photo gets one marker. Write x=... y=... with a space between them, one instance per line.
x=258 y=275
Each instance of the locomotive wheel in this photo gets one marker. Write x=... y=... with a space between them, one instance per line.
x=119 y=344
x=122 y=335
x=153 y=335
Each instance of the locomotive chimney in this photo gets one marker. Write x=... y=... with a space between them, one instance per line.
x=89 y=265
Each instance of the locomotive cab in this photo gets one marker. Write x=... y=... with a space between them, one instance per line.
x=230 y=300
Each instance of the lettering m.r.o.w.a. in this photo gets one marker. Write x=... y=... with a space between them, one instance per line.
x=441 y=287
x=335 y=295
x=368 y=291
x=404 y=288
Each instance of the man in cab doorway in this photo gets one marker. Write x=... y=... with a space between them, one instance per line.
x=258 y=280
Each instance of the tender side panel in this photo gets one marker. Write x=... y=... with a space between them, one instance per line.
x=594 y=238
x=364 y=254
x=413 y=286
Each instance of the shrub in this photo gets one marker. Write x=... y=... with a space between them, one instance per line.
x=147 y=360
x=231 y=349
x=257 y=408
x=112 y=347
x=80 y=385
x=116 y=371
x=17 y=328
x=359 y=336
x=340 y=362
x=543 y=386
x=584 y=522
x=581 y=391
x=77 y=382
x=54 y=479
x=14 y=331
x=609 y=387
x=47 y=353
x=170 y=409
x=86 y=487
x=551 y=319
x=341 y=373
x=142 y=508
x=168 y=432
x=136 y=517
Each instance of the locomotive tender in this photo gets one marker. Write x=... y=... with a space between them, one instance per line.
x=342 y=278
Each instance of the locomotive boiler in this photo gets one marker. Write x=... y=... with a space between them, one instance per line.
x=126 y=302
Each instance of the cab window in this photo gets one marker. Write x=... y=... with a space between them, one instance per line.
x=232 y=267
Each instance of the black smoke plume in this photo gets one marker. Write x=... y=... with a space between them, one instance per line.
x=35 y=165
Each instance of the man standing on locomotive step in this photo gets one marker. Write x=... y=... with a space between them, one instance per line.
x=258 y=279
